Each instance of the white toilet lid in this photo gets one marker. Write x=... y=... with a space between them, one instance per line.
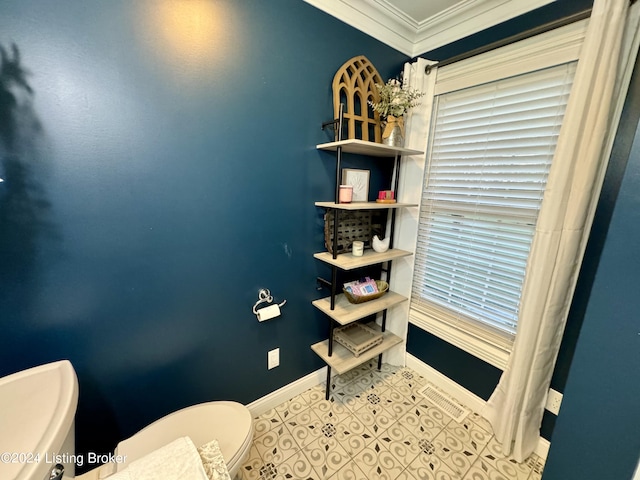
x=229 y=423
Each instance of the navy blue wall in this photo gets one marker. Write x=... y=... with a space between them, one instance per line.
x=596 y=435
x=472 y=373
x=163 y=171
x=157 y=179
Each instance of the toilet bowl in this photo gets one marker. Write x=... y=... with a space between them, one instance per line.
x=229 y=423
x=38 y=407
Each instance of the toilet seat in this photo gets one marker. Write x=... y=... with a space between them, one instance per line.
x=229 y=423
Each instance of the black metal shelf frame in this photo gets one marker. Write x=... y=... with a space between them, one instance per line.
x=337 y=125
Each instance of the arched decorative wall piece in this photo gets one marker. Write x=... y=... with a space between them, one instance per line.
x=354 y=85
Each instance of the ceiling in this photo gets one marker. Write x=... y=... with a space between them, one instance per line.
x=417 y=26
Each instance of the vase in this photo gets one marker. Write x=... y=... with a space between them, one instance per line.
x=393 y=131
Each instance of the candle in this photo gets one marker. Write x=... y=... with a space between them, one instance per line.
x=346 y=193
x=358 y=248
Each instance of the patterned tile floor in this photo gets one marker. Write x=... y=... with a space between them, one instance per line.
x=376 y=426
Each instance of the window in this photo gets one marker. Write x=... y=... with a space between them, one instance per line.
x=491 y=148
x=491 y=144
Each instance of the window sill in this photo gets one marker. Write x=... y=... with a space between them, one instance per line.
x=474 y=345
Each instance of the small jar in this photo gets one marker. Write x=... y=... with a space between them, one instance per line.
x=346 y=193
x=357 y=248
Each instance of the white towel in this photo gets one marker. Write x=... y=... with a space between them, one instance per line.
x=178 y=460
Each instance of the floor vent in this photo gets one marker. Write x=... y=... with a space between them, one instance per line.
x=448 y=405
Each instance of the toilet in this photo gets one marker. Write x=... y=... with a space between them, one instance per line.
x=38 y=406
x=229 y=423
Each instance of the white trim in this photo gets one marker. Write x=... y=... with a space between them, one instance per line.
x=372 y=21
x=277 y=397
x=383 y=21
x=556 y=47
x=466 y=18
x=542 y=450
x=462 y=339
x=461 y=394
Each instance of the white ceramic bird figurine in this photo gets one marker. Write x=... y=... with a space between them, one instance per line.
x=380 y=246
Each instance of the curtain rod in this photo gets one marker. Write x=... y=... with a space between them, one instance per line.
x=576 y=17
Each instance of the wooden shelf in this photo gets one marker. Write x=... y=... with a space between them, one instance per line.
x=342 y=360
x=364 y=205
x=346 y=312
x=372 y=149
x=346 y=261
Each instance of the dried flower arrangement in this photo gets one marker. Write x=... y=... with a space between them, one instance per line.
x=395 y=99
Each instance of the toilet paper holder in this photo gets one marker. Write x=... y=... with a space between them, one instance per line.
x=264 y=296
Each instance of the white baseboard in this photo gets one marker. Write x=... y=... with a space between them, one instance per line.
x=277 y=397
x=542 y=450
x=461 y=394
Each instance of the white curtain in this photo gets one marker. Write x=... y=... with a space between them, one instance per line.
x=418 y=123
x=409 y=190
x=516 y=407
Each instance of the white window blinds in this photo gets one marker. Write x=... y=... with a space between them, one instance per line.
x=490 y=150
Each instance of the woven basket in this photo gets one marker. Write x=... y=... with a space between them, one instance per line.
x=357 y=338
x=383 y=287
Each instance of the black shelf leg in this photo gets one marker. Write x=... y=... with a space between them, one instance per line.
x=328 y=386
x=332 y=326
x=334 y=286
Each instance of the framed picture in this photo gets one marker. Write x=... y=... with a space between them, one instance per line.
x=359 y=179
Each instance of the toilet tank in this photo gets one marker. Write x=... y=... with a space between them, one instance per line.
x=37 y=410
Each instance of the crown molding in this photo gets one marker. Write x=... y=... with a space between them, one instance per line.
x=383 y=21
x=373 y=18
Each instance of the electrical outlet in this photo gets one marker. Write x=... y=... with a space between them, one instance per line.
x=554 y=399
x=273 y=358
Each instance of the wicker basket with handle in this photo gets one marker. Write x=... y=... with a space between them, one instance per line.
x=383 y=287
